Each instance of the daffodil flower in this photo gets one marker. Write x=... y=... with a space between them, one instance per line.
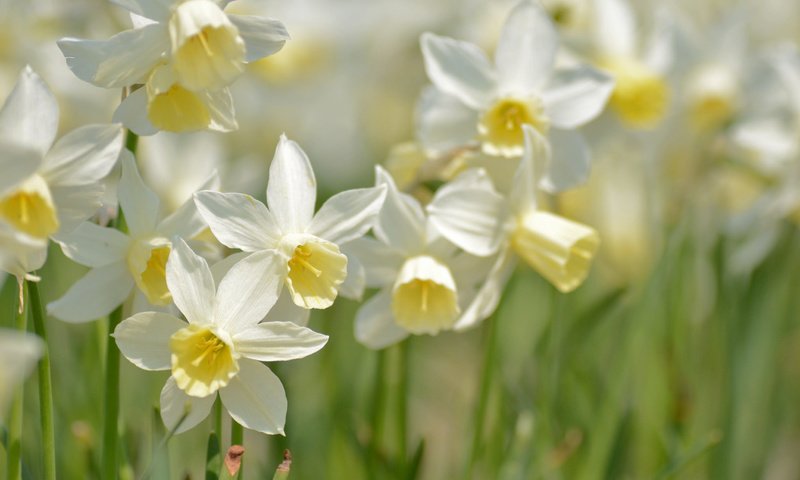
x=19 y=353
x=221 y=345
x=47 y=188
x=185 y=53
x=426 y=284
x=314 y=268
x=471 y=214
x=121 y=261
x=475 y=102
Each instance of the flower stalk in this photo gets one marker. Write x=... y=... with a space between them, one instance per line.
x=45 y=385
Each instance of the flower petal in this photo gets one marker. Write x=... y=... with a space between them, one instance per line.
x=181 y=412
x=527 y=177
x=94 y=246
x=144 y=339
x=249 y=290
x=380 y=261
x=355 y=281
x=83 y=303
x=132 y=112
x=238 y=220
x=190 y=283
x=444 y=122
x=153 y=9
x=76 y=204
x=375 y=326
x=122 y=60
x=577 y=96
x=17 y=162
x=401 y=223
x=85 y=155
x=285 y=310
x=459 y=68
x=139 y=204
x=220 y=107
x=262 y=36
x=292 y=188
x=526 y=51
x=278 y=341
x=255 y=398
x=29 y=116
x=186 y=221
x=491 y=291
x=615 y=28
x=348 y=215
x=570 y=163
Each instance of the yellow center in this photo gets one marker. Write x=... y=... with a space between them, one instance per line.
x=177 y=110
x=641 y=96
x=202 y=363
x=424 y=299
x=711 y=111
x=316 y=269
x=210 y=59
x=30 y=213
x=500 y=127
x=147 y=262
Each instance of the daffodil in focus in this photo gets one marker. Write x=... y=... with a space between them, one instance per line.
x=19 y=353
x=477 y=103
x=314 y=267
x=47 y=186
x=180 y=58
x=220 y=346
x=122 y=261
x=426 y=284
x=471 y=214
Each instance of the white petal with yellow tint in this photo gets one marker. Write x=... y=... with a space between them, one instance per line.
x=94 y=246
x=144 y=339
x=292 y=188
x=132 y=112
x=249 y=290
x=526 y=51
x=179 y=411
x=262 y=36
x=122 y=60
x=220 y=108
x=375 y=326
x=173 y=107
x=139 y=204
x=83 y=303
x=238 y=220
x=30 y=208
x=424 y=296
x=316 y=268
x=147 y=261
x=459 y=68
x=17 y=162
x=256 y=399
x=203 y=359
x=277 y=341
x=559 y=249
x=207 y=51
x=84 y=155
x=577 y=96
x=191 y=284
x=401 y=222
x=29 y=115
x=348 y=215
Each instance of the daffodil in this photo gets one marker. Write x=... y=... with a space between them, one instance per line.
x=471 y=214
x=476 y=103
x=19 y=353
x=314 y=268
x=426 y=284
x=47 y=188
x=220 y=346
x=184 y=53
x=121 y=261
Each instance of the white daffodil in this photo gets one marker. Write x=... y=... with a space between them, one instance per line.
x=426 y=284
x=471 y=214
x=221 y=345
x=475 y=102
x=47 y=188
x=19 y=353
x=314 y=268
x=185 y=53
x=119 y=261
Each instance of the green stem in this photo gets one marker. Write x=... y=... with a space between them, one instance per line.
x=485 y=387
x=131 y=141
x=14 y=465
x=402 y=407
x=45 y=385
x=378 y=404
x=237 y=438
x=111 y=399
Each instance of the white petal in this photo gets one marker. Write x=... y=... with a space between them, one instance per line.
x=17 y=162
x=132 y=112
x=139 y=204
x=144 y=339
x=459 y=69
x=531 y=168
x=570 y=163
x=238 y=220
x=375 y=326
x=766 y=136
x=29 y=115
x=190 y=283
x=444 y=122
x=84 y=155
x=356 y=280
x=262 y=36
x=93 y=245
x=249 y=290
x=182 y=411
x=95 y=295
x=220 y=106
x=615 y=28
x=255 y=398
x=185 y=222
x=348 y=215
x=380 y=261
x=577 y=96
x=401 y=222
x=285 y=310
x=122 y=60
x=277 y=341
x=491 y=291
x=292 y=188
x=526 y=50
x=471 y=216
x=152 y=9
x=76 y=204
